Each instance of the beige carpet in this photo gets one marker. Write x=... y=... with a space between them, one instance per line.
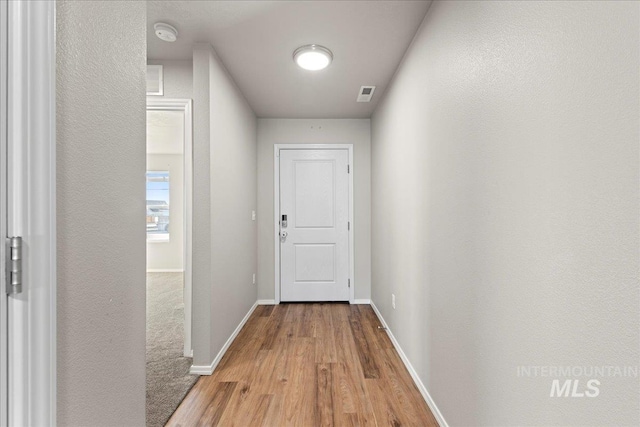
x=168 y=379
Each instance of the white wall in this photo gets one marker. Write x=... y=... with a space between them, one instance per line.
x=505 y=207
x=100 y=213
x=224 y=241
x=177 y=78
x=315 y=131
x=163 y=255
x=201 y=240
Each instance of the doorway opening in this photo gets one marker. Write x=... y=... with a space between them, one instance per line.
x=169 y=270
x=314 y=227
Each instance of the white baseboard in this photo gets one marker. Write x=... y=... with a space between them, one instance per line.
x=361 y=301
x=266 y=302
x=208 y=369
x=416 y=379
x=165 y=270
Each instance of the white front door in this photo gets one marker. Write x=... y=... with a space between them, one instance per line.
x=314 y=225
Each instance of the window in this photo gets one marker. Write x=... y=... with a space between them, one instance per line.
x=158 y=206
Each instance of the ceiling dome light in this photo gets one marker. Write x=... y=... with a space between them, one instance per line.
x=165 y=32
x=313 y=57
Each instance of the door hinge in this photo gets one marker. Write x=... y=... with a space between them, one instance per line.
x=349 y=282
x=348 y=225
x=348 y=169
x=14 y=265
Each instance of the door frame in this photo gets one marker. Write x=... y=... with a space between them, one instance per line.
x=276 y=209
x=185 y=106
x=31 y=211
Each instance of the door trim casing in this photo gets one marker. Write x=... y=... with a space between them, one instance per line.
x=31 y=194
x=185 y=106
x=276 y=210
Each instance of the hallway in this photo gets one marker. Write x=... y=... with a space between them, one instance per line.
x=492 y=222
x=304 y=365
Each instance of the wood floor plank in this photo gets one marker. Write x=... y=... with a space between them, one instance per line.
x=344 y=393
x=272 y=329
x=325 y=337
x=385 y=412
x=272 y=417
x=218 y=404
x=293 y=312
x=252 y=336
x=368 y=317
x=299 y=393
x=245 y=396
x=350 y=394
x=307 y=365
x=237 y=401
x=259 y=411
x=193 y=405
x=365 y=348
x=347 y=420
x=349 y=371
x=406 y=391
x=324 y=396
x=306 y=325
x=239 y=368
x=266 y=310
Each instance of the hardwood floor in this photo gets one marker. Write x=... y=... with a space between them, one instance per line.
x=307 y=365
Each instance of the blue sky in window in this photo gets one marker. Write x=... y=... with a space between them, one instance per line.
x=158 y=186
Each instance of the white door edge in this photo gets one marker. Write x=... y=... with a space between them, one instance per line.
x=4 y=384
x=276 y=210
x=31 y=196
x=184 y=105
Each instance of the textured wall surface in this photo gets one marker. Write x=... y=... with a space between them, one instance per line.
x=302 y=131
x=101 y=49
x=224 y=241
x=505 y=207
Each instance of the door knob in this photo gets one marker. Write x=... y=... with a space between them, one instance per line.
x=283 y=235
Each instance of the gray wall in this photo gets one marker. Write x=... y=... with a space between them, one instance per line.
x=224 y=241
x=177 y=78
x=505 y=207
x=101 y=257
x=315 y=131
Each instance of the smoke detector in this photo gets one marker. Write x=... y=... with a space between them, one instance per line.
x=165 y=32
x=365 y=94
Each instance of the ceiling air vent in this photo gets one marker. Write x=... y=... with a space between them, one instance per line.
x=365 y=94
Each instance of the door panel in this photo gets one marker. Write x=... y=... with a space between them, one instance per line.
x=314 y=198
x=315 y=263
x=314 y=244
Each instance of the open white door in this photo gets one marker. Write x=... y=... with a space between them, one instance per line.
x=314 y=225
x=27 y=211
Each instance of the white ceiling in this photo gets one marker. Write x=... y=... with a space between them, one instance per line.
x=256 y=39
